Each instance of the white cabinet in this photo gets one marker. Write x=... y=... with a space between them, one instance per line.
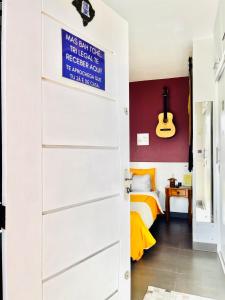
x=222 y=18
x=219 y=134
x=219 y=40
x=221 y=208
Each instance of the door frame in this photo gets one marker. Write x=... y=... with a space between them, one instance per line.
x=22 y=152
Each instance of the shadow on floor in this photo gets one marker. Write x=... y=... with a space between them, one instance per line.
x=172 y=264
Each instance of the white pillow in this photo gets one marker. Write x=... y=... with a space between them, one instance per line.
x=141 y=183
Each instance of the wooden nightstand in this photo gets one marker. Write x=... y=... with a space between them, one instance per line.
x=182 y=191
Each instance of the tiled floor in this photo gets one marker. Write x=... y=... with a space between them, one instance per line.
x=173 y=265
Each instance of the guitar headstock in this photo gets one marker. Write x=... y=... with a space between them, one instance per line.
x=165 y=91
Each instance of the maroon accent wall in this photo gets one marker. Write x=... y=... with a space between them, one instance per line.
x=146 y=103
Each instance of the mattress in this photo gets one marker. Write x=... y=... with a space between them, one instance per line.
x=143 y=208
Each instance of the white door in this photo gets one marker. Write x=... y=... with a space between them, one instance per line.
x=65 y=149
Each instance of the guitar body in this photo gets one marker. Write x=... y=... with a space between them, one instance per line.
x=165 y=129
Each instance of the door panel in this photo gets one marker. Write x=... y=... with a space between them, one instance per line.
x=95 y=279
x=63 y=247
x=81 y=160
x=75 y=176
x=65 y=115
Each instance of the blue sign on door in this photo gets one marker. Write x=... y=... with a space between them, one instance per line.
x=82 y=61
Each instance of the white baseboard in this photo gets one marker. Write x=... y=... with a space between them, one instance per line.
x=222 y=260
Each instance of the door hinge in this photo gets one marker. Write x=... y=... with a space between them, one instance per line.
x=127 y=275
x=223 y=37
x=217 y=155
x=2 y=216
x=223 y=105
x=126 y=111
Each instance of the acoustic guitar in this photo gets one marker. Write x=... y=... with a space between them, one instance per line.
x=165 y=128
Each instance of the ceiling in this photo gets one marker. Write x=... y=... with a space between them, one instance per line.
x=161 y=34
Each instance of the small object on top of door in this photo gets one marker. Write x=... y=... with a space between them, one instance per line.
x=85 y=10
x=172 y=182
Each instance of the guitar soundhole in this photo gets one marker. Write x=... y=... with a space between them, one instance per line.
x=165 y=129
x=165 y=121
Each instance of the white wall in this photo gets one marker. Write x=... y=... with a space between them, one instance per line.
x=203 y=75
x=164 y=171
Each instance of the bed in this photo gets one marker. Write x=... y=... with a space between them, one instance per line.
x=144 y=209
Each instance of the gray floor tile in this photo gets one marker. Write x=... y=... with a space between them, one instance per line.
x=204 y=286
x=158 y=278
x=163 y=259
x=172 y=264
x=196 y=262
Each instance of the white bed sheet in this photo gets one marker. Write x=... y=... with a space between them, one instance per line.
x=143 y=208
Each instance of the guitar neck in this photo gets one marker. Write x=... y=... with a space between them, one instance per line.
x=165 y=107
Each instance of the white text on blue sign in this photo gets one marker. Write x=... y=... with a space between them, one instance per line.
x=82 y=62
